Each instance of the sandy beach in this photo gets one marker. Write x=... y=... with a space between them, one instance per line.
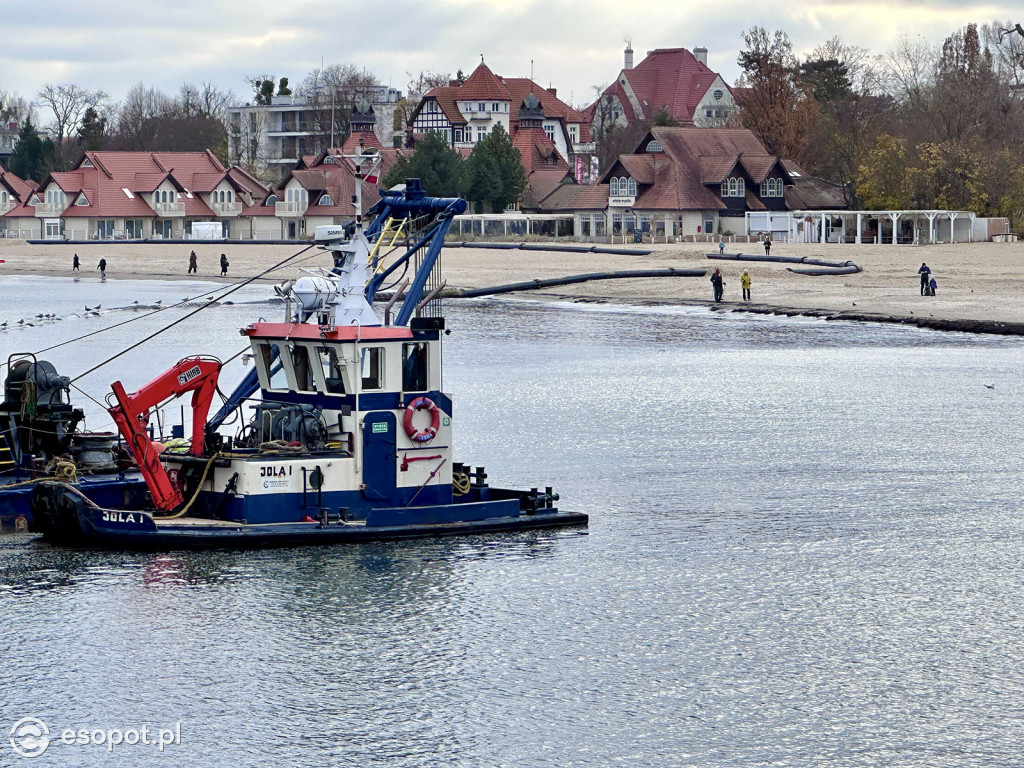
x=976 y=281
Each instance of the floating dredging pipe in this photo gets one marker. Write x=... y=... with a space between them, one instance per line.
x=532 y=285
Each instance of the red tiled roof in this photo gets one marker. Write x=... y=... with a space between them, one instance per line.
x=554 y=108
x=537 y=151
x=483 y=84
x=668 y=77
x=18 y=187
x=577 y=197
x=334 y=177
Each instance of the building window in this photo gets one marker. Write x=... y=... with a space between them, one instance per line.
x=613 y=187
x=654 y=146
x=734 y=187
x=494 y=108
x=772 y=188
x=573 y=134
x=105 y=229
x=133 y=229
x=549 y=131
x=458 y=135
x=326 y=200
x=481 y=132
x=631 y=187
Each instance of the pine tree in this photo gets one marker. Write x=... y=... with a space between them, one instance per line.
x=34 y=157
x=496 y=175
x=439 y=168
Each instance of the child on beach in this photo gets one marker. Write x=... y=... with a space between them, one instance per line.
x=721 y=246
x=931 y=286
x=767 y=245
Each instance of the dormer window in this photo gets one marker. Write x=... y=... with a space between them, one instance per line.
x=772 y=188
x=654 y=146
x=82 y=200
x=326 y=200
x=734 y=186
x=272 y=200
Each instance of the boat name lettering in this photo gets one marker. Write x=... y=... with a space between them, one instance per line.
x=275 y=471
x=120 y=517
x=187 y=376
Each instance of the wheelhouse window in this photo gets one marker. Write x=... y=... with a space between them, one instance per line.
x=372 y=367
x=333 y=377
x=303 y=373
x=414 y=367
x=271 y=361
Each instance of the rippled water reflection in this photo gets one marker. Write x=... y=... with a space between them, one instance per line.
x=805 y=549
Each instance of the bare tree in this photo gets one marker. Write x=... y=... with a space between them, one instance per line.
x=330 y=93
x=141 y=110
x=67 y=102
x=14 y=108
x=910 y=69
x=1007 y=50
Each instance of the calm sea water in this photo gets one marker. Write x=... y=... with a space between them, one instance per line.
x=806 y=548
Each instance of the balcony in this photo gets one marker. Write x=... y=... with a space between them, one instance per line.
x=49 y=209
x=227 y=209
x=169 y=209
x=5 y=206
x=290 y=209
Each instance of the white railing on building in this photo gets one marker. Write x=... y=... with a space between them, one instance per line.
x=169 y=209
x=49 y=209
x=227 y=209
x=290 y=208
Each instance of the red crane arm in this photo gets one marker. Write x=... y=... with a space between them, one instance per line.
x=131 y=414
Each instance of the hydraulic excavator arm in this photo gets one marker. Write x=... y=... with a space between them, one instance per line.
x=131 y=414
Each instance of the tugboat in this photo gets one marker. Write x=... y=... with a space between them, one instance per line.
x=350 y=438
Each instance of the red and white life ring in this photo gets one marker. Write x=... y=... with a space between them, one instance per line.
x=426 y=434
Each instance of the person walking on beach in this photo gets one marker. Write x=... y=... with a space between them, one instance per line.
x=721 y=246
x=717 y=284
x=931 y=286
x=924 y=272
x=102 y=267
x=223 y=265
x=767 y=245
x=192 y=263
x=745 y=284
x=74 y=263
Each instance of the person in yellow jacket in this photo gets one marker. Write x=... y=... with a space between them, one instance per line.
x=745 y=284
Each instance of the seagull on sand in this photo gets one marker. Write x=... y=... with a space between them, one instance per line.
x=990 y=386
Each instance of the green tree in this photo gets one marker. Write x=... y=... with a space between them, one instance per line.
x=496 y=175
x=439 y=168
x=882 y=179
x=282 y=87
x=34 y=157
x=664 y=119
x=92 y=132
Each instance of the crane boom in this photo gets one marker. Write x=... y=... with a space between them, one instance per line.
x=131 y=414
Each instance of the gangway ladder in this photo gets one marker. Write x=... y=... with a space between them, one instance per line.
x=392 y=227
x=6 y=455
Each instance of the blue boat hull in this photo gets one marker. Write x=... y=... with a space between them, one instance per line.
x=66 y=518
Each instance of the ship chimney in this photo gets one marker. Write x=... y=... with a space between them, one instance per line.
x=628 y=59
x=701 y=55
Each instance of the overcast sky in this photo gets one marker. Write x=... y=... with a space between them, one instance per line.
x=573 y=44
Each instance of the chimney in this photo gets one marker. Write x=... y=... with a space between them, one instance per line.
x=553 y=92
x=701 y=55
x=628 y=59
